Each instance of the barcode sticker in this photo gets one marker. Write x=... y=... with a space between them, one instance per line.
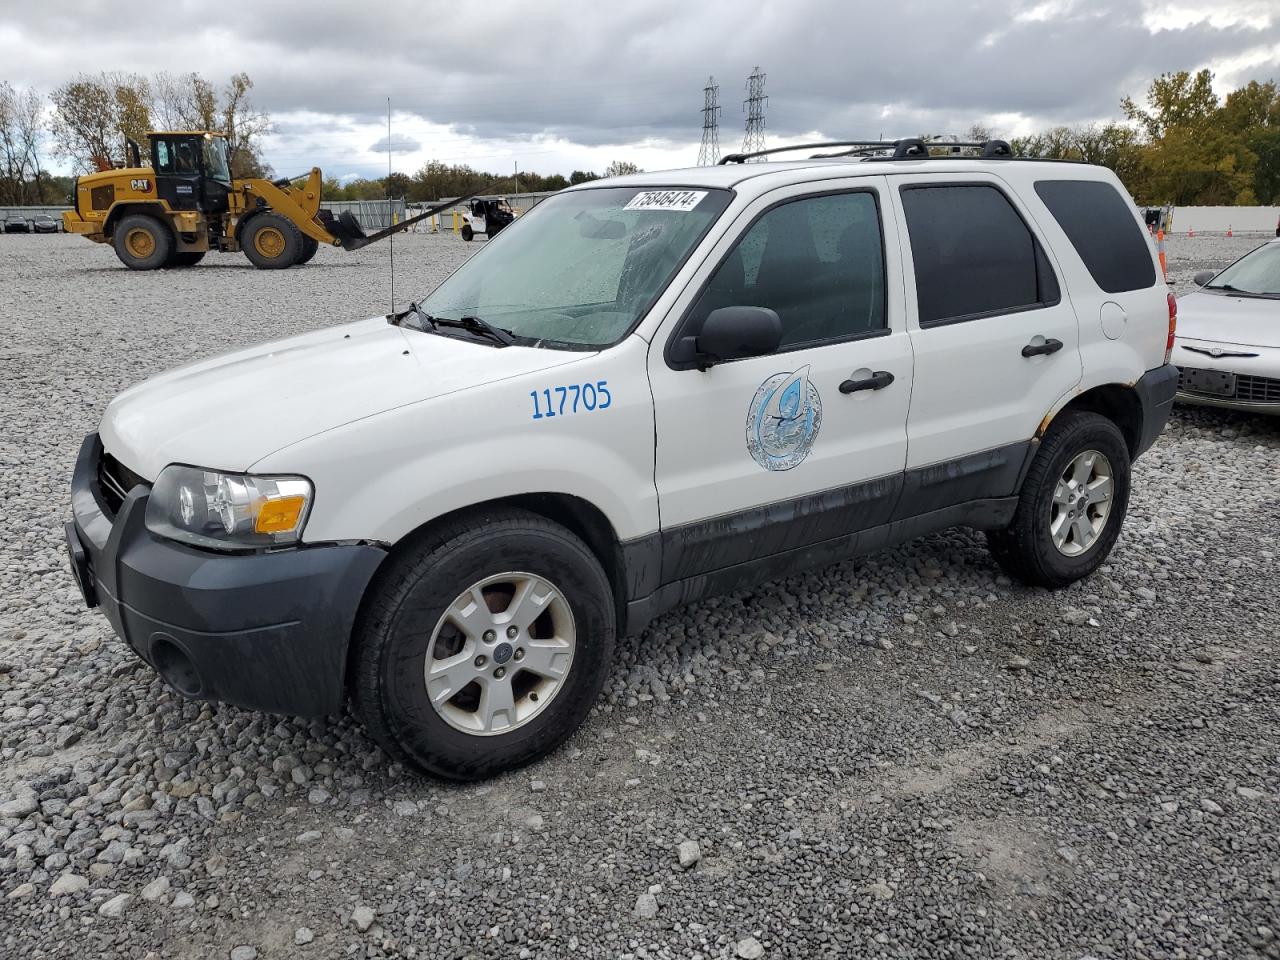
x=680 y=200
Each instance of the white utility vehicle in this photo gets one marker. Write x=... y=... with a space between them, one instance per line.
x=647 y=390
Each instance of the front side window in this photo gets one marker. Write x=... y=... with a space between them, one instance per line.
x=818 y=262
x=215 y=159
x=974 y=256
x=581 y=268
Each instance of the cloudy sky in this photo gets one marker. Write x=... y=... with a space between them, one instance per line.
x=574 y=84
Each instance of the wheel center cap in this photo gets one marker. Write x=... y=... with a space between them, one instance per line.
x=502 y=653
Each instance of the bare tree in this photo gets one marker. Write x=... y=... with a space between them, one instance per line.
x=185 y=101
x=11 y=178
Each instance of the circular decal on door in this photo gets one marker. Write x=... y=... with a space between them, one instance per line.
x=783 y=420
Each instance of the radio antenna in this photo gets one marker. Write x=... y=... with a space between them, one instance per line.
x=391 y=216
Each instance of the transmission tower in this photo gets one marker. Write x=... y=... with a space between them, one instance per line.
x=754 y=106
x=709 y=152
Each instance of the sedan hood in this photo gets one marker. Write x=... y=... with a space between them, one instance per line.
x=1222 y=318
x=231 y=411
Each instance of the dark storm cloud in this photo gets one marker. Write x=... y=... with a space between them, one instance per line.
x=595 y=73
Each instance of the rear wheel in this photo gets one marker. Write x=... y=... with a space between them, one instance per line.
x=271 y=242
x=187 y=258
x=1071 y=506
x=483 y=647
x=142 y=242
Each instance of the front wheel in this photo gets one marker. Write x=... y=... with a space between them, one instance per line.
x=1072 y=504
x=271 y=242
x=467 y=232
x=309 y=247
x=483 y=647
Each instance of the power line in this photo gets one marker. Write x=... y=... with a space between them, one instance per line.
x=754 y=107
x=709 y=152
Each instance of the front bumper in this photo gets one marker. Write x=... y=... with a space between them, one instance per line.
x=1254 y=372
x=267 y=631
x=1155 y=390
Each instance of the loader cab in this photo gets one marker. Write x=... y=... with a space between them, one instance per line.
x=193 y=171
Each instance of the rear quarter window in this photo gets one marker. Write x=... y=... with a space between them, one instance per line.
x=1100 y=224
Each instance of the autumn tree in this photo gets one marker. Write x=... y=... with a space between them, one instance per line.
x=244 y=126
x=85 y=124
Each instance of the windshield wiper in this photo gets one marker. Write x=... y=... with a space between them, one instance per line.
x=1230 y=289
x=426 y=321
x=478 y=326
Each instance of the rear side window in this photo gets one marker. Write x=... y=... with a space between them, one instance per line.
x=1100 y=225
x=974 y=256
x=164 y=159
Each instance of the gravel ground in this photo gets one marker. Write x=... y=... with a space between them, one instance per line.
x=906 y=756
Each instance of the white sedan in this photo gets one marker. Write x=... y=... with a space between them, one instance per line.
x=1228 y=339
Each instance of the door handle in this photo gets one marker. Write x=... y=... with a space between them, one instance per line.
x=877 y=381
x=1042 y=349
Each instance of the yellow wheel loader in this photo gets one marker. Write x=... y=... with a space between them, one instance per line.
x=186 y=203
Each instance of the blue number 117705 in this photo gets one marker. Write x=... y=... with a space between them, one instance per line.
x=574 y=398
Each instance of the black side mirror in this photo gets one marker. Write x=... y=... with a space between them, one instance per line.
x=731 y=333
x=1203 y=276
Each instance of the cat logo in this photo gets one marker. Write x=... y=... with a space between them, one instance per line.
x=142 y=185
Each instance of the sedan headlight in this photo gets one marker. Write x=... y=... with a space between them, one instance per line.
x=227 y=511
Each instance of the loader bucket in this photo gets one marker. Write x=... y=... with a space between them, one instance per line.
x=346 y=228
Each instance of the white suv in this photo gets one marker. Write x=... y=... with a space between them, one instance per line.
x=647 y=390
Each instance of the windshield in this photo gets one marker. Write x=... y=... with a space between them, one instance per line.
x=215 y=159
x=1256 y=273
x=580 y=269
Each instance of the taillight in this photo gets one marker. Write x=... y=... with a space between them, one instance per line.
x=1173 y=327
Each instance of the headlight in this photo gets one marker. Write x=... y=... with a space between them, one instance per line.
x=226 y=511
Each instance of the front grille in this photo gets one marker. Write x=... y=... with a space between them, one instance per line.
x=1249 y=389
x=1257 y=389
x=115 y=480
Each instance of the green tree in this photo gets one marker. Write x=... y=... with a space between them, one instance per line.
x=1179 y=99
x=1265 y=145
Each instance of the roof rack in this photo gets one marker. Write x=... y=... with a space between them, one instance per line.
x=910 y=148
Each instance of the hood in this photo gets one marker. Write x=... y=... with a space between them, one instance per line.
x=1222 y=318
x=229 y=412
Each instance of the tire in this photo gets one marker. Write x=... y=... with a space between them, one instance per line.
x=408 y=608
x=1026 y=549
x=467 y=232
x=142 y=242
x=271 y=242
x=310 y=245
x=186 y=258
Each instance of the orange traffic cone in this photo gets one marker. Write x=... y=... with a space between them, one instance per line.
x=1191 y=232
x=1228 y=229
